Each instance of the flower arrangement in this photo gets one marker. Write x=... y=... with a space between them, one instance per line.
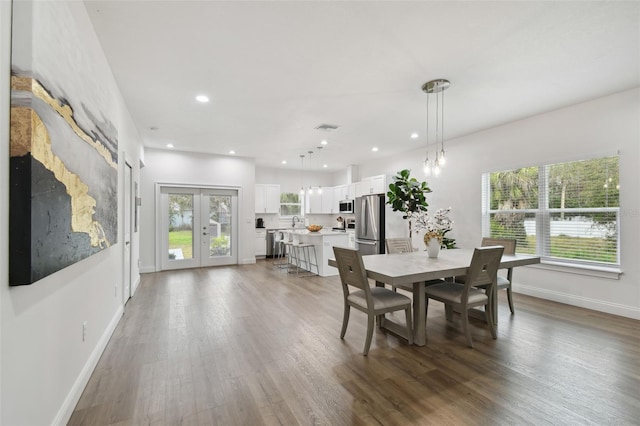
x=436 y=226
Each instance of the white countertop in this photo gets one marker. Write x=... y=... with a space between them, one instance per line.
x=323 y=232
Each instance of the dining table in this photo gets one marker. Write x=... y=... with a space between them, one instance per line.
x=415 y=269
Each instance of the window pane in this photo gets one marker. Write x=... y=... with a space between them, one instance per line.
x=290 y=210
x=584 y=184
x=585 y=236
x=575 y=217
x=289 y=197
x=180 y=226
x=514 y=189
x=219 y=230
x=521 y=226
x=290 y=204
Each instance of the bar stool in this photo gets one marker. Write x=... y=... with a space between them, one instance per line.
x=301 y=258
x=279 y=250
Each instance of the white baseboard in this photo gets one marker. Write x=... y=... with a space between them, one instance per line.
x=70 y=402
x=134 y=287
x=582 y=302
x=147 y=269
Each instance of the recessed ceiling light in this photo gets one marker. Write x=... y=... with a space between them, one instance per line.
x=202 y=98
x=325 y=166
x=374 y=149
x=414 y=135
x=232 y=152
x=284 y=161
x=324 y=142
x=169 y=145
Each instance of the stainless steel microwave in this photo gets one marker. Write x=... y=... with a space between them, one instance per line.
x=346 y=206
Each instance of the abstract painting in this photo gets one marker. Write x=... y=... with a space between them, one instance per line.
x=64 y=149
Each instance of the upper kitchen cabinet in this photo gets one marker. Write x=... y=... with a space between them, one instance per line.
x=267 y=198
x=313 y=204
x=328 y=206
x=350 y=193
x=339 y=194
x=371 y=185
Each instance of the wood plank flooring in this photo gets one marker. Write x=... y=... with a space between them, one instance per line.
x=253 y=345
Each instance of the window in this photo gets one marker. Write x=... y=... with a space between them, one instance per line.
x=567 y=212
x=290 y=204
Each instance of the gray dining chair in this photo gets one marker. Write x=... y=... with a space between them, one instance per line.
x=373 y=301
x=462 y=297
x=399 y=245
x=509 y=245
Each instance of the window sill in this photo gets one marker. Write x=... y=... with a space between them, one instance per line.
x=608 y=272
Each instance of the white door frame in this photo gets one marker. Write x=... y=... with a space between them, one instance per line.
x=162 y=225
x=127 y=252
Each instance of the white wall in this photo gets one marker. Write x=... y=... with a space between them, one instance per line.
x=185 y=168
x=598 y=127
x=44 y=364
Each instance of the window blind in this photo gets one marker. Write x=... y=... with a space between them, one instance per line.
x=564 y=211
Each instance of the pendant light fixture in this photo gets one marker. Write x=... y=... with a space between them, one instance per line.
x=320 y=162
x=310 y=188
x=301 y=174
x=436 y=87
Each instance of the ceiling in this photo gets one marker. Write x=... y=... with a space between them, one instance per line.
x=275 y=70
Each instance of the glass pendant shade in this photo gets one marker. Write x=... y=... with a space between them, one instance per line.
x=436 y=87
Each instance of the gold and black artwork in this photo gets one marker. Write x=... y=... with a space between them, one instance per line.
x=63 y=159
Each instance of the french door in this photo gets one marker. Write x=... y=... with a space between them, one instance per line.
x=199 y=227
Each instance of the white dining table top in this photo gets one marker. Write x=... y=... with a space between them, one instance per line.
x=407 y=268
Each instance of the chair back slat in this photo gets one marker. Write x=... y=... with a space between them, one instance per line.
x=351 y=269
x=484 y=266
x=509 y=244
x=398 y=245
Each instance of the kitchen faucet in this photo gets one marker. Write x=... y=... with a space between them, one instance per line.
x=294 y=220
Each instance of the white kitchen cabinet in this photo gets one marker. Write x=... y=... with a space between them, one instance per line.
x=328 y=206
x=339 y=194
x=371 y=185
x=352 y=239
x=261 y=242
x=313 y=204
x=350 y=193
x=267 y=198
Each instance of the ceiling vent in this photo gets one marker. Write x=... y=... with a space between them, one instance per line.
x=327 y=127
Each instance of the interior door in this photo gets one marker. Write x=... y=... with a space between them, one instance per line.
x=199 y=227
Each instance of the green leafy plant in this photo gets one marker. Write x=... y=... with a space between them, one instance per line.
x=407 y=195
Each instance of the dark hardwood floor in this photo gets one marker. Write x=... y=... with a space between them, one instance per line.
x=252 y=345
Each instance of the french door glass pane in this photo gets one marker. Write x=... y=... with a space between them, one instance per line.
x=220 y=221
x=180 y=226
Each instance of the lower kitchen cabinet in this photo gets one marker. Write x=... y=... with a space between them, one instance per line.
x=261 y=242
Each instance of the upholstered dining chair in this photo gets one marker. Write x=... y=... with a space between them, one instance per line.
x=509 y=245
x=373 y=301
x=462 y=297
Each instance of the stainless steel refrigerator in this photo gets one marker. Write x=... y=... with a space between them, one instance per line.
x=369 y=212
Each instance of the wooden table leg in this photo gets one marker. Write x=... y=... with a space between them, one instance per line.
x=419 y=315
x=380 y=318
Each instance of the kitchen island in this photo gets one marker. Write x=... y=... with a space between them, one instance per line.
x=323 y=242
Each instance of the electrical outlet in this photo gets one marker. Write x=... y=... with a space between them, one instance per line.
x=84 y=330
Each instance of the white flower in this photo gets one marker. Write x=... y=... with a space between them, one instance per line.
x=437 y=224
